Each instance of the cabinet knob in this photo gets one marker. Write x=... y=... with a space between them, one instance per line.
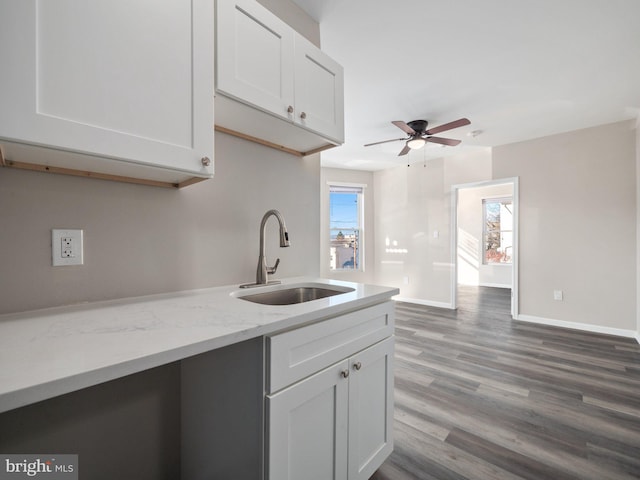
x=344 y=373
x=303 y=115
x=206 y=161
x=290 y=109
x=357 y=366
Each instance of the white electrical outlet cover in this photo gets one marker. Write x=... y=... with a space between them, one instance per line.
x=66 y=247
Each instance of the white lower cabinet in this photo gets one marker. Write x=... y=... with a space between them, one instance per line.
x=335 y=424
x=370 y=409
x=309 y=403
x=308 y=427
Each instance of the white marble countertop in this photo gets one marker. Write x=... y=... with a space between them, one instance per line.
x=49 y=352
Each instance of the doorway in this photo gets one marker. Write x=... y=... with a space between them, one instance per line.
x=484 y=248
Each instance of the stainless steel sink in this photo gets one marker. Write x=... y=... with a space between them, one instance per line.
x=293 y=295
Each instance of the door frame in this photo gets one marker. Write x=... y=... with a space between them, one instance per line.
x=516 y=236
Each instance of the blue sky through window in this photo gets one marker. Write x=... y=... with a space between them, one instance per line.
x=344 y=210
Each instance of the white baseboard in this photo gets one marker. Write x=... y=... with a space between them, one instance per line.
x=495 y=285
x=620 y=332
x=638 y=337
x=419 y=301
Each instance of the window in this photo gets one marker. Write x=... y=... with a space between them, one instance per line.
x=497 y=230
x=345 y=226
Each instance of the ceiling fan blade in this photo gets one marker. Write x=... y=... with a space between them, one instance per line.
x=384 y=141
x=404 y=151
x=404 y=127
x=448 y=126
x=443 y=141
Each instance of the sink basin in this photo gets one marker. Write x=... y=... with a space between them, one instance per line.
x=294 y=295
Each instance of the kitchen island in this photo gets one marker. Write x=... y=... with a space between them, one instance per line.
x=90 y=363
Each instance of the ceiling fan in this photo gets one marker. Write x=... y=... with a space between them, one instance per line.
x=419 y=135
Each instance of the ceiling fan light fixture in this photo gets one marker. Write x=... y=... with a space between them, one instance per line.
x=416 y=143
x=418 y=135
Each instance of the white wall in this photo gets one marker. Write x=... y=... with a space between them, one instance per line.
x=348 y=176
x=578 y=220
x=412 y=204
x=471 y=270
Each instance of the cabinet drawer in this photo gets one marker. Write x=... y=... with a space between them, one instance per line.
x=299 y=353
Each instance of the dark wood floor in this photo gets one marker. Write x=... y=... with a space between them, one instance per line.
x=480 y=396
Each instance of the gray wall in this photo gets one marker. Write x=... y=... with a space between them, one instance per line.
x=141 y=240
x=577 y=224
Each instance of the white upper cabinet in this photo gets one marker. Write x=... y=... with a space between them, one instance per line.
x=255 y=56
x=127 y=85
x=319 y=91
x=269 y=70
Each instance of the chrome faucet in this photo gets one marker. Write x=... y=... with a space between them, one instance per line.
x=263 y=272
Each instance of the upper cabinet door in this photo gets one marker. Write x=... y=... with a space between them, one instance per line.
x=273 y=84
x=254 y=56
x=118 y=79
x=319 y=82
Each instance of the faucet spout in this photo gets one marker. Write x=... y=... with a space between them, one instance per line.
x=263 y=271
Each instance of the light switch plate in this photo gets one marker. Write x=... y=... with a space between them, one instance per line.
x=66 y=247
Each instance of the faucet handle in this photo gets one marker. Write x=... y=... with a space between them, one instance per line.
x=272 y=270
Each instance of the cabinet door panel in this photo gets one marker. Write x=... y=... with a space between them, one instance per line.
x=74 y=85
x=254 y=56
x=307 y=428
x=319 y=91
x=370 y=409
x=119 y=79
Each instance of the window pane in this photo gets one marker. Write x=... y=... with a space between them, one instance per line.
x=498 y=247
x=345 y=249
x=492 y=212
x=344 y=227
x=506 y=216
x=498 y=227
x=344 y=210
x=507 y=246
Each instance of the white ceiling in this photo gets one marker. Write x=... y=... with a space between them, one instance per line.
x=517 y=69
